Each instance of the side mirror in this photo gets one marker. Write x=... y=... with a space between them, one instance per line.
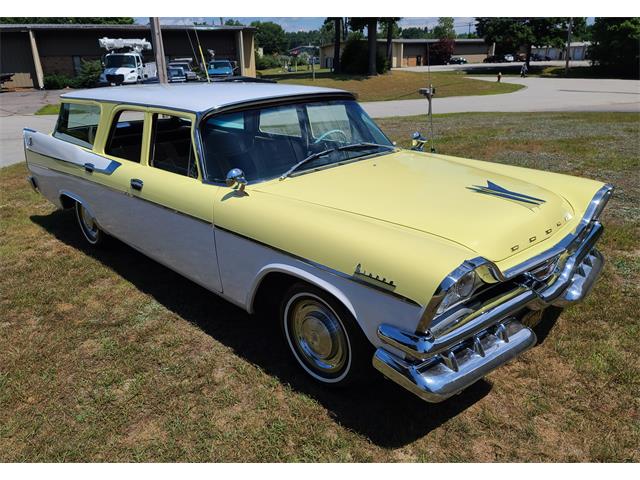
x=235 y=176
x=417 y=142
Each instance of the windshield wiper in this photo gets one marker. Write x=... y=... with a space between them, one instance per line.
x=313 y=156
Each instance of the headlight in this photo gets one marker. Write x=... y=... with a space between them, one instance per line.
x=459 y=291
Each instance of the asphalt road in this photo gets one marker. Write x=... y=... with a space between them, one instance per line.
x=478 y=67
x=540 y=95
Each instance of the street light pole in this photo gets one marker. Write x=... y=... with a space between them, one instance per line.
x=158 y=49
x=568 y=52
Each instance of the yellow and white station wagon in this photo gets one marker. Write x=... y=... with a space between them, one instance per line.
x=290 y=200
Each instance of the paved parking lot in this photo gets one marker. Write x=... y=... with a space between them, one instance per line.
x=540 y=95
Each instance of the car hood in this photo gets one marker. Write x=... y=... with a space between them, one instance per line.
x=118 y=70
x=492 y=214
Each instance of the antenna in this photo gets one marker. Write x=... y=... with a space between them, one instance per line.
x=204 y=63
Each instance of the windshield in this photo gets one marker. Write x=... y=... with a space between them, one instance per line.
x=220 y=65
x=116 y=61
x=266 y=142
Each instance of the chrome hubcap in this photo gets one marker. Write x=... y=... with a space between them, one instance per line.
x=318 y=336
x=87 y=223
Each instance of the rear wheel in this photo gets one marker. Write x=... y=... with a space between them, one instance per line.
x=88 y=225
x=323 y=336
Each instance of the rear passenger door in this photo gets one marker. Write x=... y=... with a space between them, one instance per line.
x=173 y=207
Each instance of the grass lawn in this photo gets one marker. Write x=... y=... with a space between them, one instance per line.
x=108 y=356
x=399 y=85
x=49 y=109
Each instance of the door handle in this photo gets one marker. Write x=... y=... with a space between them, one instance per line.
x=89 y=167
x=136 y=184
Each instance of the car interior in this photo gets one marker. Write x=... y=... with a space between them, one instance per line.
x=125 y=138
x=171 y=146
x=241 y=143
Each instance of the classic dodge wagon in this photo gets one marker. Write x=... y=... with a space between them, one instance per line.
x=291 y=200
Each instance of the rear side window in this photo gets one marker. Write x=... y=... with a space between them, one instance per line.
x=125 y=136
x=78 y=124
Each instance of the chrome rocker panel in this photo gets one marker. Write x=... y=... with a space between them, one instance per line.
x=435 y=367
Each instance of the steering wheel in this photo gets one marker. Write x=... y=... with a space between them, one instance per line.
x=331 y=132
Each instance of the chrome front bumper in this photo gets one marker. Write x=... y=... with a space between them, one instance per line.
x=437 y=367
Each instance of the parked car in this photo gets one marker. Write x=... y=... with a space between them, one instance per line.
x=509 y=58
x=494 y=59
x=457 y=61
x=539 y=58
x=176 y=74
x=220 y=68
x=186 y=67
x=291 y=201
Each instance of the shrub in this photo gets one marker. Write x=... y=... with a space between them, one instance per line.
x=89 y=74
x=355 y=58
x=267 y=61
x=87 y=78
x=57 y=81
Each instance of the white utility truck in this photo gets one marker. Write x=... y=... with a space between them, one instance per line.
x=124 y=62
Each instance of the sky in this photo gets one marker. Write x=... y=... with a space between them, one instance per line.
x=295 y=24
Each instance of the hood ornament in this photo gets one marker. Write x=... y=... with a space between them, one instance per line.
x=498 y=191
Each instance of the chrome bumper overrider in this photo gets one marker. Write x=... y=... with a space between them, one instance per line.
x=437 y=367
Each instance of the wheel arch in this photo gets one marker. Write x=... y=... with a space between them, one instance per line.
x=69 y=199
x=279 y=274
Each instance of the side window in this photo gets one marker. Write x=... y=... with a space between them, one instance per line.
x=78 y=124
x=171 y=146
x=125 y=137
x=280 y=121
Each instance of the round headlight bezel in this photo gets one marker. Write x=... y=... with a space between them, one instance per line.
x=461 y=290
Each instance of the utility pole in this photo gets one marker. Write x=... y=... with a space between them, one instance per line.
x=158 y=49
x=568 y=52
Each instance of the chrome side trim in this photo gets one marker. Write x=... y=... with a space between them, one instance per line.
x=122 y=192
x=451 y=373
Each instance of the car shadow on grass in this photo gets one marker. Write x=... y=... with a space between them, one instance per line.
x=385 y=413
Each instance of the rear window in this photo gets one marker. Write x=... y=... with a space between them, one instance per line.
x=78 y=124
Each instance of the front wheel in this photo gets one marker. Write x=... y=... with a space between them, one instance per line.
x=323 y=336
x=88 y=226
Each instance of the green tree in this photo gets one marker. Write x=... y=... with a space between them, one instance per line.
x=390 y=30
x=444 y=29
x=335 y=24
x=232 y=22
x=616 y=42
x=510 y=33
x=270 y=36
x=70 y=20
x=415 y=32
x=371 y=24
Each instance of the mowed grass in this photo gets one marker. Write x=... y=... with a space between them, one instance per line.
x=108 y=356
x=49 y=109
x=399 y=85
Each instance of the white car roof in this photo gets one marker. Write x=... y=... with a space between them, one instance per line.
x=197 y=97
